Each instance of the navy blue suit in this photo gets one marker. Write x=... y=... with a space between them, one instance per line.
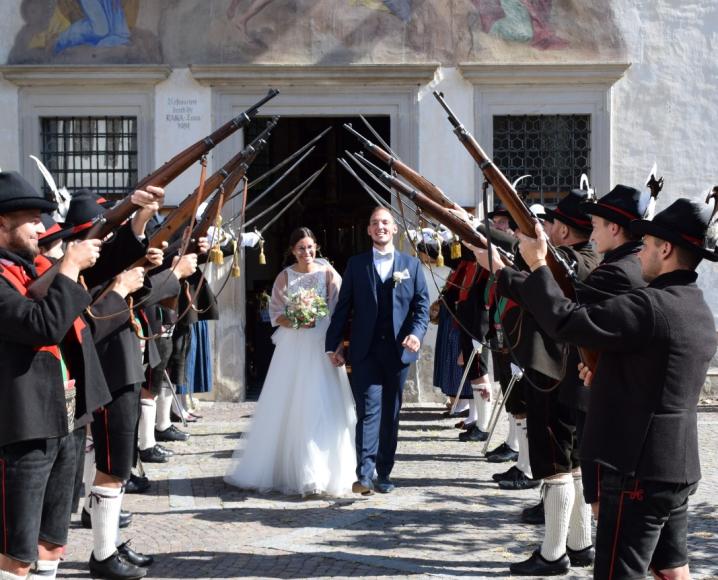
x=384 y=313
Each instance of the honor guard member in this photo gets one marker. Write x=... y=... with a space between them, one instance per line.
x=52 y=381
x=655 y=345
x=618 y=272
x=550 y=426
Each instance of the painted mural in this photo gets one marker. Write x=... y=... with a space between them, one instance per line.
x=181 y=32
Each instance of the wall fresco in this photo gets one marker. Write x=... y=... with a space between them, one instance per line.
x=181 y=32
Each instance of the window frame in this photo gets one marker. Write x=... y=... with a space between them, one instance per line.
x=39 y=102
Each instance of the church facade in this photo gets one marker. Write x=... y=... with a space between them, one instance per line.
x=104 y=91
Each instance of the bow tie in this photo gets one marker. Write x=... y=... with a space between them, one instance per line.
x=381 y=256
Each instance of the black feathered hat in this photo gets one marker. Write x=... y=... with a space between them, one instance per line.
x=569 y=212
x=685 y=223
x=621 y=205
x=82 y=213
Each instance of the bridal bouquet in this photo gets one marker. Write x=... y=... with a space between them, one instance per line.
x=305 y=307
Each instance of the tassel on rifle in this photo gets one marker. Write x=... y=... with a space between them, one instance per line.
x=455 y=249
x=215 y=254
x=262 y=257
x=235 y=273
x=440 y=256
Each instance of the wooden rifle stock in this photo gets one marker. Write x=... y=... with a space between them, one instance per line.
x=174 y=167
x=226 y=177
x=116 y=215
x=523 y=217
x=417 y=180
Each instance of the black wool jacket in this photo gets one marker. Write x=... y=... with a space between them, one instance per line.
x=533 y=347
x=618 y=272
x=32 y=397
x=656 y=345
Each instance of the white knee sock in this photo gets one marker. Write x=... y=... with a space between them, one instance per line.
x=5 y=575
x=118 y=539
x=512 y=439
x=164 y=407
x=579 y=527
x=483 y=406
x=523 y=462
x=146 y=430
x=45 y=569
x=557 y=502
x=472 y=412
x=106 y=503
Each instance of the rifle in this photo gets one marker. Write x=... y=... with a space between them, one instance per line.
x=187 y=208
x=417 y=180
x=521 y=214
x=435 y=210
x=116 y=215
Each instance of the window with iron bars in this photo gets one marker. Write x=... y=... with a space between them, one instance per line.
x=98 y=153
x=554 y=150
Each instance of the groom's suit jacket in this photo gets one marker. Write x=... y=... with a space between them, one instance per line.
x=358 y=294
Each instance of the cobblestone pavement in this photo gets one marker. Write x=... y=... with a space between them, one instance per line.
x=445 y=519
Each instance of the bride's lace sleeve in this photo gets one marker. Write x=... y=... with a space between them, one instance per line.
x=334 y=283
x=279 y=297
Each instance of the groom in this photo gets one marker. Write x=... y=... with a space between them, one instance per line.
x=386 y=294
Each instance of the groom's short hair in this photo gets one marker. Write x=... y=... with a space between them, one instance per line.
x=380 y=208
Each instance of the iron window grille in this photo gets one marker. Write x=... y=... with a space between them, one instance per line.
x=553 y=149
x=98 y=153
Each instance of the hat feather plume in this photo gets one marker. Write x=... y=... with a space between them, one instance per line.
x=61 y=196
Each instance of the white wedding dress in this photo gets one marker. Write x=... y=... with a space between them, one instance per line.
x=302 y=437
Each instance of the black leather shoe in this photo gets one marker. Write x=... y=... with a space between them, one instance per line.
x=165 y=450
x=153 y=455
x=363 y=487
x=473 y=434
x=519 y=481
x=171 y=434
x=581 y=558
x=141 y=560
x=86 y=519
x=384 y=485
x=511 y=472
x=137 y=484
x=537 y=565
x=115 y=568
x=502 y=454
x=533 y=514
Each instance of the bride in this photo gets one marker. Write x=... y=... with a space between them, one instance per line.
x=302 y=437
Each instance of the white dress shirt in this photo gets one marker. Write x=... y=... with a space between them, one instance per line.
x=383 y=263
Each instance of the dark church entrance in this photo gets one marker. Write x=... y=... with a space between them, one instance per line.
x=335 y=208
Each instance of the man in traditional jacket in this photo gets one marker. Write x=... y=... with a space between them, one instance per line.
x=51 y=382
x=655 y=344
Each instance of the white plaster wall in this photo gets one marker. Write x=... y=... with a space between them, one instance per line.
x=183 y=115
x=442 y=159
x=10 y=23
x=665 y=108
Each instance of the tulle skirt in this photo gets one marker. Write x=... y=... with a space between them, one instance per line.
x=302 y=437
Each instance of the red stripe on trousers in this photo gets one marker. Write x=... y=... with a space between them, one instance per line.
x=4 y=511
x=107 y=441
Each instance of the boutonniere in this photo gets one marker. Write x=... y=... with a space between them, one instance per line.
x=399 y=277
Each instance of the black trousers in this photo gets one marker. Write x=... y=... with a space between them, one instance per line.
x=550 y=427
x=641 y=525
x=515 y=403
